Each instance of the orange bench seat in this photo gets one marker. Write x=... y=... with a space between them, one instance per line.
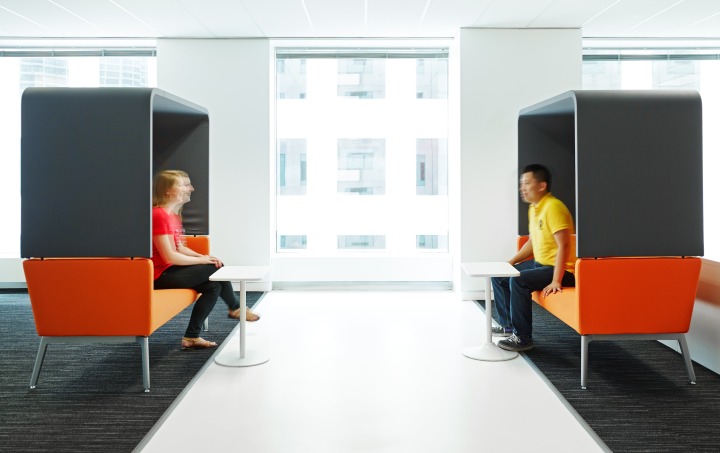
x=101 y=300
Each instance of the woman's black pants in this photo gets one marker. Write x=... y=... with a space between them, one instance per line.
x=197 y=277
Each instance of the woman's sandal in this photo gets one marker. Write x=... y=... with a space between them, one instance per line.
x=249 y=315
x=197 y=343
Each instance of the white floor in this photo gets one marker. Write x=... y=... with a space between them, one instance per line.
x=369 y=371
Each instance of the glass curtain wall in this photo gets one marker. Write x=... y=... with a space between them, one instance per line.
x=670 y=68
x=23 y=69
x=361 y=151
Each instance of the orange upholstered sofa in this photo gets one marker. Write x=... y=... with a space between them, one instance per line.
x=101 y=300
x=638 y=298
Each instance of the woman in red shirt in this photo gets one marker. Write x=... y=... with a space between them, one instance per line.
x=177 y=266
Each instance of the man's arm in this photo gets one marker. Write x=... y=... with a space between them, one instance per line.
x=562 y=238
x=524 y=253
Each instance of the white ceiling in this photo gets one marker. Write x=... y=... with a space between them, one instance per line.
x=351 y=18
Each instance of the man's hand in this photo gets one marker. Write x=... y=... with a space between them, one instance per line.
x=552 y=288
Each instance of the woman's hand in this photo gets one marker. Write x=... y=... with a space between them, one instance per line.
x=215 y=261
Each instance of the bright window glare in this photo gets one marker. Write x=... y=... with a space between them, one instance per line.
x=361 y=160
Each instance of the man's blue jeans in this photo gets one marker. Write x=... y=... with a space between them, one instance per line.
x=513 y=295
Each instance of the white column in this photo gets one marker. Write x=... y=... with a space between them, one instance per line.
x=500 y=72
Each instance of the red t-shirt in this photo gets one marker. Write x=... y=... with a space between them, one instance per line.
x=164 y=223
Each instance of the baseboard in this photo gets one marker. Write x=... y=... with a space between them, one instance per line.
x=473 y=295
x=362 y=286
x=256 y=286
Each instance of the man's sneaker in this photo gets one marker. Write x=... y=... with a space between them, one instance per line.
x=499 y=331
x=515 y=343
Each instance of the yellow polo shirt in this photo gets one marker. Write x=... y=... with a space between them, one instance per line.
x=546 y=218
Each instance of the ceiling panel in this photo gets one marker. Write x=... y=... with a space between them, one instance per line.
x=279 y=18
x=334 y=18
x=168 y=17
x=678 y=18
x=446 y=17
x=399 y=18
x=17 y=15
x=570 y=13
x=107 y=16
x=224 y=18
x=512 y=13
x=348 y=18
x=623 y=16
x=708 y=28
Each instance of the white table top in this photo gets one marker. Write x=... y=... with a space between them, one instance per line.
x=240 y=273
x=490 y=269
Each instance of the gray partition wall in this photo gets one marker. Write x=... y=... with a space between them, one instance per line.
x=627 y=163
x=88 y=156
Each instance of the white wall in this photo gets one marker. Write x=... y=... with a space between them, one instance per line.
x=231 y=78
x=501 y=72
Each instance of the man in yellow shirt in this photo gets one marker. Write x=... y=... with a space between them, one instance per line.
x=545 y=262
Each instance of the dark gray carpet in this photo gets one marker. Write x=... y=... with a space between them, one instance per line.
x=638 y=397
x=89 y=398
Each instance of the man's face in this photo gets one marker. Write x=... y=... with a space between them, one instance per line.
x=530 y=189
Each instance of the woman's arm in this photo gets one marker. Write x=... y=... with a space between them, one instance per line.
x=185 y=250
x=165 y=245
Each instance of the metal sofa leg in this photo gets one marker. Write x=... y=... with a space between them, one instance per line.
x=39 y=361
x=686 y=356
x=206 y=325
x=144 y=346
x=584 y=343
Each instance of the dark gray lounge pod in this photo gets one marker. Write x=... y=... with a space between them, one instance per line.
x=628 y=164
x=88 y=156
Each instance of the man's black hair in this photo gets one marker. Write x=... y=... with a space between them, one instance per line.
x=540 y=173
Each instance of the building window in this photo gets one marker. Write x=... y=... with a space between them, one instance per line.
x=431 y=78
x=361 y=78
x=291 y=78
x=361 y=242
x=431 y=166
x=292 y=167
x=292 y=242
x=123 y=72
x=361 y=166
x=43 y=72
x=430 y=242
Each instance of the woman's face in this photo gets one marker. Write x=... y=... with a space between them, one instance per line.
x=187 y=186
x=177 y=194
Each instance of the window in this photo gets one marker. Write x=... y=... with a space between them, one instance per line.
x=23 y=71
x=361 y=78
x=361 y=166
x=292 y=166
x=361 y=242
x=362 y=152
x=431 y=170
x=670 y=68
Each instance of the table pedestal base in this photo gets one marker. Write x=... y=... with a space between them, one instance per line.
x=489 y=352
x=231 y=357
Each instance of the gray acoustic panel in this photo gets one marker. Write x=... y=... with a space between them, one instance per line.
x=87 y=161
x=177 y=141
x=638 y=167
x=548 y=140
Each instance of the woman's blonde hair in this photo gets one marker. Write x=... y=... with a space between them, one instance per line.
x=162 y=183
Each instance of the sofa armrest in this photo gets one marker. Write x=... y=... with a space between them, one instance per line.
x=636 y=295
x=199 y=244
x=90 y=297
